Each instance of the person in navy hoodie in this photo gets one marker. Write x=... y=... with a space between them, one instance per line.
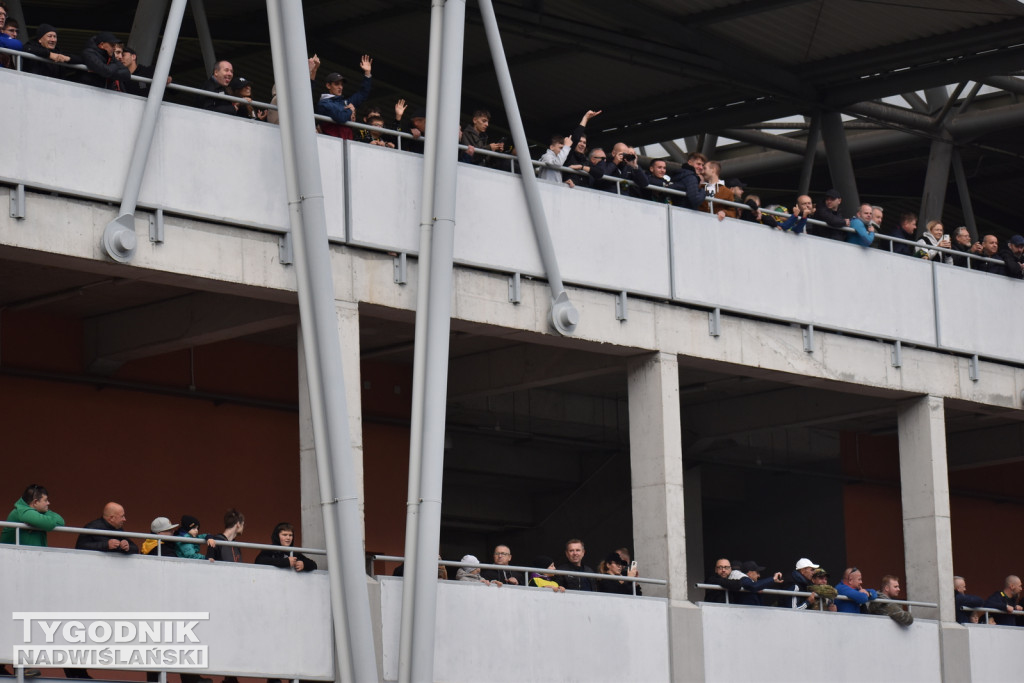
x=753 y=584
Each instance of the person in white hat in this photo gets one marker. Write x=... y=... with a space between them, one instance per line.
x=800 y=580
x=162 y=526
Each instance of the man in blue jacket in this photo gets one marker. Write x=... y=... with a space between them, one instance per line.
x=857 y=596
x=342 y=109
x=752 y=584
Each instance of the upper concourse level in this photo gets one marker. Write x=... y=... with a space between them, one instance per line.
x=77 y=141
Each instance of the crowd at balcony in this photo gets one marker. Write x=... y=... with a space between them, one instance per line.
x=697 y=184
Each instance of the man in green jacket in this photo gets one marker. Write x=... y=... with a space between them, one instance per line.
x=33 y=508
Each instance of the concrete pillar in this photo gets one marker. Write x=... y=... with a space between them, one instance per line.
x=659 y=532
x=656 y=463
x=840 y=165
x=927 y=540
x=312 y=516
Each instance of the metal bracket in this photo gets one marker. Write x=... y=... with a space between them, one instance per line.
x=515 y=291
x=18 y=201
x=972 y=368
x=621 y=306
x=284 y=249
x=119 y=240
x=715 y=322
x=809 y=339
x=897 y=354
x=401 y=269
x=156 y=227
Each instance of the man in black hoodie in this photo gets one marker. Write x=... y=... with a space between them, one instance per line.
x=104 y=70
x=689 y=180
x=284 y=535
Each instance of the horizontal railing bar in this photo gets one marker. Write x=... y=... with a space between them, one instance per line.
x=159 y=537
x=524 y=569
x=779 y=591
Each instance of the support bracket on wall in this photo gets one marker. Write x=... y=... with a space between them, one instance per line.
x=18 y=201
x=156 y=227
x=897 y=354
x=515 y=288
x=621 y=306
x=972 y=368
x=715 y=322
x=809 y=339
x=284 y=249
x=401 y=268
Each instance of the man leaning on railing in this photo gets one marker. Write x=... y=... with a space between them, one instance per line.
x=890 y=590
x=113 y=519
x=852 y=589
x=33 y=508
x=1007 y=600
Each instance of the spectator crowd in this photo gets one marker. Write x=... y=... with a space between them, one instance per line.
x=697 y=184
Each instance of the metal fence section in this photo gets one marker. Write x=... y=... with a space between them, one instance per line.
x=805 y=594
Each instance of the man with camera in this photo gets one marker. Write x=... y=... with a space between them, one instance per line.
x=621 y=165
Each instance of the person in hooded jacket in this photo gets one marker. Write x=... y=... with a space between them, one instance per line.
x=104 y=70
x=189 y=526
x=284 y=535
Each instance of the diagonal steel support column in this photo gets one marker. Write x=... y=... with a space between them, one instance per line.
x=412 y=506
x=438 y=328
x=203 y=33
x=933 y=197
x=807 y=169
x=339 y=490
x=564 y=316
x=965 y=194
x=119 y=241
x=146 y=28
x=840 y=165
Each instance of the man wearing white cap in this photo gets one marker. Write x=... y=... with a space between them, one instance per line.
x=801 y=579
x=162 y=526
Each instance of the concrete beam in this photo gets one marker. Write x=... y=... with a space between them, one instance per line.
x=180 y=323
x=521 y=367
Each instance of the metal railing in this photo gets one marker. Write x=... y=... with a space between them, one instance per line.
x=992 y=610
x=524 y=570
x=804 y=594
x=620 y=183
x=18 y=526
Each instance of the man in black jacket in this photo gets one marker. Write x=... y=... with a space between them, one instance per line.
x=218 y=82
x=828 y=213
x=45 y=47
x=905 y=230
x=284 y=535
x=1009 y=256
x=689 y=180
x=574 y=552
x=104 y=70
x=620 y=165
x=113 y=519
x=962 y=243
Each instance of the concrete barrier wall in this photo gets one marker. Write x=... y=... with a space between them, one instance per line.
x=263 y=620
x=228 y=169
x=513 y=634
x=996 y=653
x=743 y=644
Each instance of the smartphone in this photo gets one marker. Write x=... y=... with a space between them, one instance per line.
x=632 y=565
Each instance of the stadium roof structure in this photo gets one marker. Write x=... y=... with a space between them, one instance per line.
x=663 y=71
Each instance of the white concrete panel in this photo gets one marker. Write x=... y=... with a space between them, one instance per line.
x=514 y=634
x=744 y=644
x=384 y=197
x=970 y=318
x=220 y=167
x=749 y=268
x=995 y=653
x=263 y=620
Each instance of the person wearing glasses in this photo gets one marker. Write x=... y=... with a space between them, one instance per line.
x=722 y=577
x=502 y=555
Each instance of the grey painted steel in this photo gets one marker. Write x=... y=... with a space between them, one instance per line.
x=203 y=32
x=674 y=151
x=18 y=201
x=119 y=241
x=149 y=17
x=810 y=154
x=419 y=364
x=933 y=197
x=564 y=316
x=960 y=175
x=438 y=326
x=339 y=488
x=840 y=165
x=709 y=146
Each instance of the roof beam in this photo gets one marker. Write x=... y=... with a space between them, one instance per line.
x=740 y=10
x=179 y=323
